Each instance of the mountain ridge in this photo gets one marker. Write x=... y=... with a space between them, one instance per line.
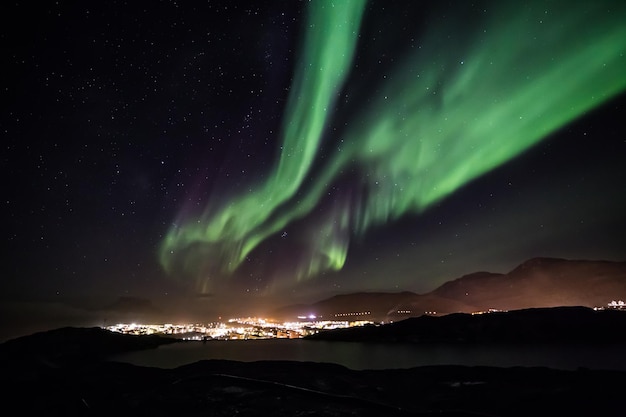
x=535 y=283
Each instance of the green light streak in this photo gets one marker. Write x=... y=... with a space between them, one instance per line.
x=332 y=30
x=512 y=88
x=450 y=112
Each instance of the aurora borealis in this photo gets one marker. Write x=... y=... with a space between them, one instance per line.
x=244 y=223
x=459 y=102
x=213 y=155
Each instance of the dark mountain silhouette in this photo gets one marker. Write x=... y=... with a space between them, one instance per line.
x=538 y=282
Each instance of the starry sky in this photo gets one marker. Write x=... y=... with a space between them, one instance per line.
x=233 y=153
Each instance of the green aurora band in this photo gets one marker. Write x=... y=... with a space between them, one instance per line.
x=451 y=110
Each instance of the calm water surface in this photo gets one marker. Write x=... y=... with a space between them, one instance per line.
x=382 y=356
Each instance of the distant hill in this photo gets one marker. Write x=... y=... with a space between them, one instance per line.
x=350 y=305
x=538 y=282
x=541 y=325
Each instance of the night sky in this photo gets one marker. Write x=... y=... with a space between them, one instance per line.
x=217 y=154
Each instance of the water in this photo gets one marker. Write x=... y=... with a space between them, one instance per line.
x=383 y=356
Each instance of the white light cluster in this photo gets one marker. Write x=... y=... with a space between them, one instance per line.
x=238 y=328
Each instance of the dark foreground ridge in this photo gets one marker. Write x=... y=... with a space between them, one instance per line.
x=535 y=325
x=73 y=377
x=69 y=346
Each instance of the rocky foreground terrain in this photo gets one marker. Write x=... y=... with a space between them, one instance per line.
x=66 y=372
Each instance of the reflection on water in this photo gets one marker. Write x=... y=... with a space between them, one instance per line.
x=382 y=356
